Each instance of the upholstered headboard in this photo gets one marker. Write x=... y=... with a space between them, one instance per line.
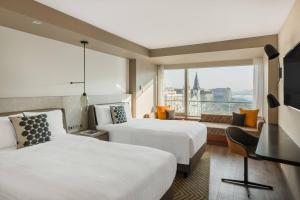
x=92 y=119
x=37 y=110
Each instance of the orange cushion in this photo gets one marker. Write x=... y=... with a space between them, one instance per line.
x=161 y=111
x=251 y=117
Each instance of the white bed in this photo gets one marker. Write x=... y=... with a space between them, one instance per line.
x=181 y=138
x=77 y=167
x=71 y=167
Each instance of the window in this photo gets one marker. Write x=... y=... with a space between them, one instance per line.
x=174 y=92
x=213 y=90
x=219 y=90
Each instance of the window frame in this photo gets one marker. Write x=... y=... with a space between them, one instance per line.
x=185 y=87
x=186 y=67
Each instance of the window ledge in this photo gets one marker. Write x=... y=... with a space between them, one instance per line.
x=187 y=118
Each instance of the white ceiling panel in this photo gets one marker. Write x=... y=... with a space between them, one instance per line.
x=169 y=23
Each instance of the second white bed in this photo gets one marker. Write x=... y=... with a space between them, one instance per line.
x=181 y=138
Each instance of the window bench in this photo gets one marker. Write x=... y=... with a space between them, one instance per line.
x=216 y=125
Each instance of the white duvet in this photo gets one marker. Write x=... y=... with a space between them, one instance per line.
x=181 y=138
x=81 y=168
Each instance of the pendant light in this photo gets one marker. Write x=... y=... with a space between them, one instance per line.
x=272 y=101
x=271 y=51
x=83 y=97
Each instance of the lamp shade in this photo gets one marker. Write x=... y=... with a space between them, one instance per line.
x=271 y=51
x=272 y=101
x=84 y=102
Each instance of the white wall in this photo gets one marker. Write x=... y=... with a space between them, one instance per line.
x=289 y=36
x=35 y=66
x=289 y=118
x=146 y=87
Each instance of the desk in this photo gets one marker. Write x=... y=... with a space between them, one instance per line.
x=275 y=145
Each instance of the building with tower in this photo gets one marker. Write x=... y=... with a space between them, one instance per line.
x=196 y=90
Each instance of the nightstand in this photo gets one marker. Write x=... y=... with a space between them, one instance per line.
x=99 y=134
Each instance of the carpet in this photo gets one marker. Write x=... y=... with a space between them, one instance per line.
x=196 y=185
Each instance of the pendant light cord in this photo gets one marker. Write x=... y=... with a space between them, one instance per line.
x=84 y=73
x=84 y=68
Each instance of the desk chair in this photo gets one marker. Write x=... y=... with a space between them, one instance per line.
x=244 y=144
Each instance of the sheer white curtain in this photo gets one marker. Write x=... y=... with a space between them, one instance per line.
x=160 y=85
x=258 y=84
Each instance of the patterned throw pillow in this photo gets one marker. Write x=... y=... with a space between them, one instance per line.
x=31 y=130
x=118 y=114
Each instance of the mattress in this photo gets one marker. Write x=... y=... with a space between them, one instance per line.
x=76 y=167
x=181 y=138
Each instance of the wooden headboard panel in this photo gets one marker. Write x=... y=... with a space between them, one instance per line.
x=92 y=119
x=75 y=117
x=37 y=110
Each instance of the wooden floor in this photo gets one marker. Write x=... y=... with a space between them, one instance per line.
x=227 y=165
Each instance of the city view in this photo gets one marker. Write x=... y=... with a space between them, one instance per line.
x=214 y=100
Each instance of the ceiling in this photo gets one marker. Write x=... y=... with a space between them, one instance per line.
x=168 y=23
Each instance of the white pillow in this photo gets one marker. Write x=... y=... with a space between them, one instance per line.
x=103 y=114
x=127 y=111
x=55 y=120
x=7 y=132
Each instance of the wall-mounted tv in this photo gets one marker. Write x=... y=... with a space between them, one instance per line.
x=292 y=78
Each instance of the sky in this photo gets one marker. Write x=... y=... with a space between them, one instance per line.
x=237 y=78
